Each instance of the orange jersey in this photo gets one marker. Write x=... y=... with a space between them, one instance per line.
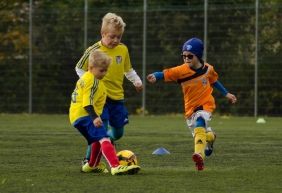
x=196 y=86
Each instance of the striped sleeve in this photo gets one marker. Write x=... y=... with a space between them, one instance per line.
x=93 y=91
x=89 y=91
x=83 y=62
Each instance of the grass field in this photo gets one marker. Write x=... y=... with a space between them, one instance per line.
x=42 y=153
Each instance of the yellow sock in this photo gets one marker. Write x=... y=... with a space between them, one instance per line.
x=210 y=136
x=200 y=140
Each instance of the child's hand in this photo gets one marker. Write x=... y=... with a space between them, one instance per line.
x=138 y=86
x=98 y=122
x=232 y=98
x=151 y=78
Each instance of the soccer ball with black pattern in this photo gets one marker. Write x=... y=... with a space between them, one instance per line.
x=127 y=158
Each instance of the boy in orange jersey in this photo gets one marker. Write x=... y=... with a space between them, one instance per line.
x=196 y=79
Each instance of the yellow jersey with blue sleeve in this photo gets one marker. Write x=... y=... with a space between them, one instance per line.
x=88 y=91
x=120 y=64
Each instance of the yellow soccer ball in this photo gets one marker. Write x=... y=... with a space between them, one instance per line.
x=127 y=158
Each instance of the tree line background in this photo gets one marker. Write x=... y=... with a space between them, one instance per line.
x=58 y=43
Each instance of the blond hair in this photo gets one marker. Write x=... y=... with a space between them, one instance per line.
x=112 y=21
x=98 y=58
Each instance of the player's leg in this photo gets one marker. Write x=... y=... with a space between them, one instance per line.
x=80 y=125
x=211 y=136
x=109 y=153
x=88 y=130
x=105 y=118
x=200 y=136
x=87 y=155
x=199 y=143
x=94 y=164
x=115 y=133
x=96 y=154
x=118 y=118
x=93 y=135
x=198 y=124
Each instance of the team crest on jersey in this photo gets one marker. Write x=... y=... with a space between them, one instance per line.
x=118 y=59
x=204 y=81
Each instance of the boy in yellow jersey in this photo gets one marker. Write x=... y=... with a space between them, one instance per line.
x=87 y=102
x=196 y=79
x=114 y=112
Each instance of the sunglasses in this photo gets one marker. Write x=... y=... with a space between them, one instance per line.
x=189 y=56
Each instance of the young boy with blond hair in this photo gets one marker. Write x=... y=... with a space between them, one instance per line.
x=115 y=113
x=196 y=79
x=87 y=102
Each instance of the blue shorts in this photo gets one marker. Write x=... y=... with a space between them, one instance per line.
x=115 y=113
x=91 y=133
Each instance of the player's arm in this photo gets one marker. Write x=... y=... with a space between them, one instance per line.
x=133 y=77
x=79 y=71
x=97 y=121
x=130 y=73
x=170 y=74
x=213 y=78
x=90 y=110
x=232 y=98
x=90 y=88
x=81 y=66
x=220 y=88
x=154 y=77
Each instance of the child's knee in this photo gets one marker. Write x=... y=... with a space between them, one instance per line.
x=116 y=134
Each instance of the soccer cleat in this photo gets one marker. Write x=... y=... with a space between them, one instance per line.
x=86 y=168
x=84 y=161
x=100 y=168
x=199 y=161
x=209 y=147
x=121 y=170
